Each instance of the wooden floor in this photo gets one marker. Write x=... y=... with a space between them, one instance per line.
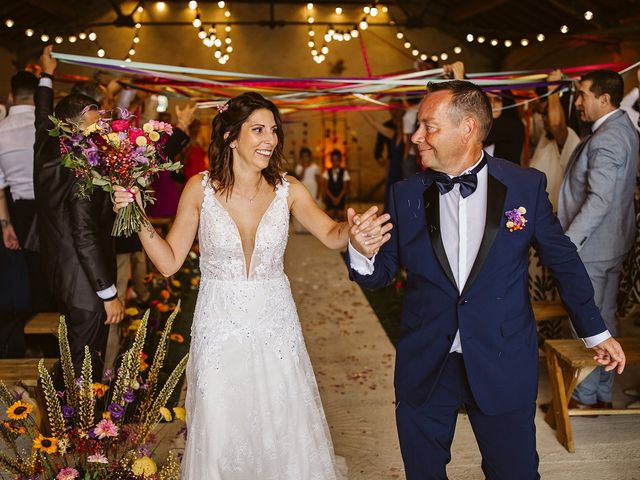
x=353 y=361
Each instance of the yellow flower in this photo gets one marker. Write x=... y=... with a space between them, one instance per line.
x=135 y=325
x=195 y=281
x=166 y=414
x=106 y=415
x=99 y=389
x=90 y=129
x=154 y=136
x=143 y=365
x=176 y=283
x=180 y=413
x=46 y=444
x=13 y=428
x=144 y=466
x=113 y=138
x=19 y=410
x=176 y=337
x=522 y=210
x=147 y=128
x=131 y=311
x=141 y=141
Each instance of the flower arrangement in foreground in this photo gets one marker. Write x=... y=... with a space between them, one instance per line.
x=95 y=430
x=112 y=153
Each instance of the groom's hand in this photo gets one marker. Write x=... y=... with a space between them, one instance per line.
x=367 y=231
x=610 y=355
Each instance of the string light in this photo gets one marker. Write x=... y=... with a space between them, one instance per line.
x=481 y=39
x=494 y=42
x=444 y=56
x=140 y=9
x=363 y=24
x=457 y=49
x=101 y=52
x=227 y=13
x=564 y=29
x=373 y=12
x=540 y=37
x=415 y=52
x=93 y=36
x=338 y=11
x=82 y=35
x=9 y=23
x=193 y=5
x=309 y=6
x=44 y=37
x=588 y=15
x=524 y=42
x=221 y=4
x=28 y=32
x=508 y=43
x=160 y=6
x=58 y=39
x=136 y=39
x=72 y=39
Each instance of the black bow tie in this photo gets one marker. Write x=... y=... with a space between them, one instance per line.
x=468 y=182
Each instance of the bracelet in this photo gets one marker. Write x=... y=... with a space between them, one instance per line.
x=46 y=75
x=4 y=223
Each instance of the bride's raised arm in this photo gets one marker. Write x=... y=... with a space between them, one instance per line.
x=169 y=255
x=332 y=234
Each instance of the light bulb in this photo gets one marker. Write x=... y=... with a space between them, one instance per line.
x=310 y=19
x=161 y=6
x=434 y=58
x=481 y=39
x=227 y=40
x=193 y=5
x=524 y=42
x=310 y=43
x=93 y=36
x=423 y=57
x=101 y=52
x=217 y=54
x=415 y=52
x=374 y=12
x=82 y=35
x=347 y=36
x=9 y=23
x=227 y=13
x=338 y=11
x=354 y=33
x=494 y=42
x=132 y=51
x=58 y=39
x=311 y=33
x=457 y=49
x=136 y=39
x=229 y=49
x=140 y=9
x=407 y=44
x=540 y=37
x=470 y=37
x=508 y=43
x=363 y=25
x=444 y=56
x=564 y=29
x=325 y=50
x=367 y=10
x=309 y=6
x=400 y=35
x=227 y=28
x=221 y=4
x=44 y=37
x=73 y=39
x=588 y=15
x=138 y=26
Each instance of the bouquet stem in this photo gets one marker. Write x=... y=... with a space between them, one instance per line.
x=129 y=220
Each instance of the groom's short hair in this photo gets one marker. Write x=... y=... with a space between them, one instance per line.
x=466 y=99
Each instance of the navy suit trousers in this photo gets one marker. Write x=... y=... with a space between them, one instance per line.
x=507 y=442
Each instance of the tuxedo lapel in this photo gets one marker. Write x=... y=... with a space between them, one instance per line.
x=432 y=211
x=496 y=194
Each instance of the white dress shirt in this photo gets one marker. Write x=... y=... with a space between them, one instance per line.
x=601 y=120
x=17 y=136
x=462 y=222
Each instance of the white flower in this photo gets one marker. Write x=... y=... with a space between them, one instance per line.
x=97 y=458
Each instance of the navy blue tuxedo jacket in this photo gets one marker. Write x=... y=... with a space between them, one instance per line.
x=493 y=312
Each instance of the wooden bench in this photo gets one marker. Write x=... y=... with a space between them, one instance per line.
x=45 y=323
x=23 y=371
x=544 y=311
x=569 y=362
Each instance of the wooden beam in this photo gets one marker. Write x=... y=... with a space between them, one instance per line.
x=470 y=9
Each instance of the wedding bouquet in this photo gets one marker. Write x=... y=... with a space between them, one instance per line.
x=94 y=430
x=112 y=153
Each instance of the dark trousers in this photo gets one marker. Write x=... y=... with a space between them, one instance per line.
x=85 y=327
x=14 y=302
x=507 y=442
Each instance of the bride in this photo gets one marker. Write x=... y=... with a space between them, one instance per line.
x=253 y=407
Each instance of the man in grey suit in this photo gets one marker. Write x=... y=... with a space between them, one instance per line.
x=596 y=207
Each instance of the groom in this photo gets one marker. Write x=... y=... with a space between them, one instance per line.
x=462 y=230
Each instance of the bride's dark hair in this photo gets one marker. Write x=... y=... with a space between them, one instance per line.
x=229 y=120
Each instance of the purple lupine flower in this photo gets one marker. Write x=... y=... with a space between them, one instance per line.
x=92 y=433
x=79 y=382
x=116 y=410
x=67 y=411
x=129 y=396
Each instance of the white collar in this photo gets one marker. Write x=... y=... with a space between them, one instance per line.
x=21 y=109
x=601 y=120
x=468 y=170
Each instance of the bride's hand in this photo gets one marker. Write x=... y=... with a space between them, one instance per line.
x=124 y=196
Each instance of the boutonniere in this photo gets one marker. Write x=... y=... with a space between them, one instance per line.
x=515 y=218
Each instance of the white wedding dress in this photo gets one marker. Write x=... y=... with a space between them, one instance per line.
x=253 y=407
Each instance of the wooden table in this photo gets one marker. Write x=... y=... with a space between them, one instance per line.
x=45 y=323
x=569 y=362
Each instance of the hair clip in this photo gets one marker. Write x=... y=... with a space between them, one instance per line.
x=222 y=107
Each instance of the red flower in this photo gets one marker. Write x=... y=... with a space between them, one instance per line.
x=120 y=125
x=135 y=133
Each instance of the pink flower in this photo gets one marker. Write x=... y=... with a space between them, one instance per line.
x=161 y=126
x=120 y=125
x=97 y=458
x=135 y=133
x=67 y=473
x=105 y=428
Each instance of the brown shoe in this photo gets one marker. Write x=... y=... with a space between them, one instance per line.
x=575 y=404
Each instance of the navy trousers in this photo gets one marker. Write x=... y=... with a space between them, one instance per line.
x=507 y=442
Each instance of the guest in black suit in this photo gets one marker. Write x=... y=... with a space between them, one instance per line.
x=507 y=130
x=75 y=234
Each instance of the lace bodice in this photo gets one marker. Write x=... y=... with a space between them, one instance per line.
x=221 y=253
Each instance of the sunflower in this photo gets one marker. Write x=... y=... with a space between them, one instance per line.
x=46 y=444
x=19 y=410
x=13 y=428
